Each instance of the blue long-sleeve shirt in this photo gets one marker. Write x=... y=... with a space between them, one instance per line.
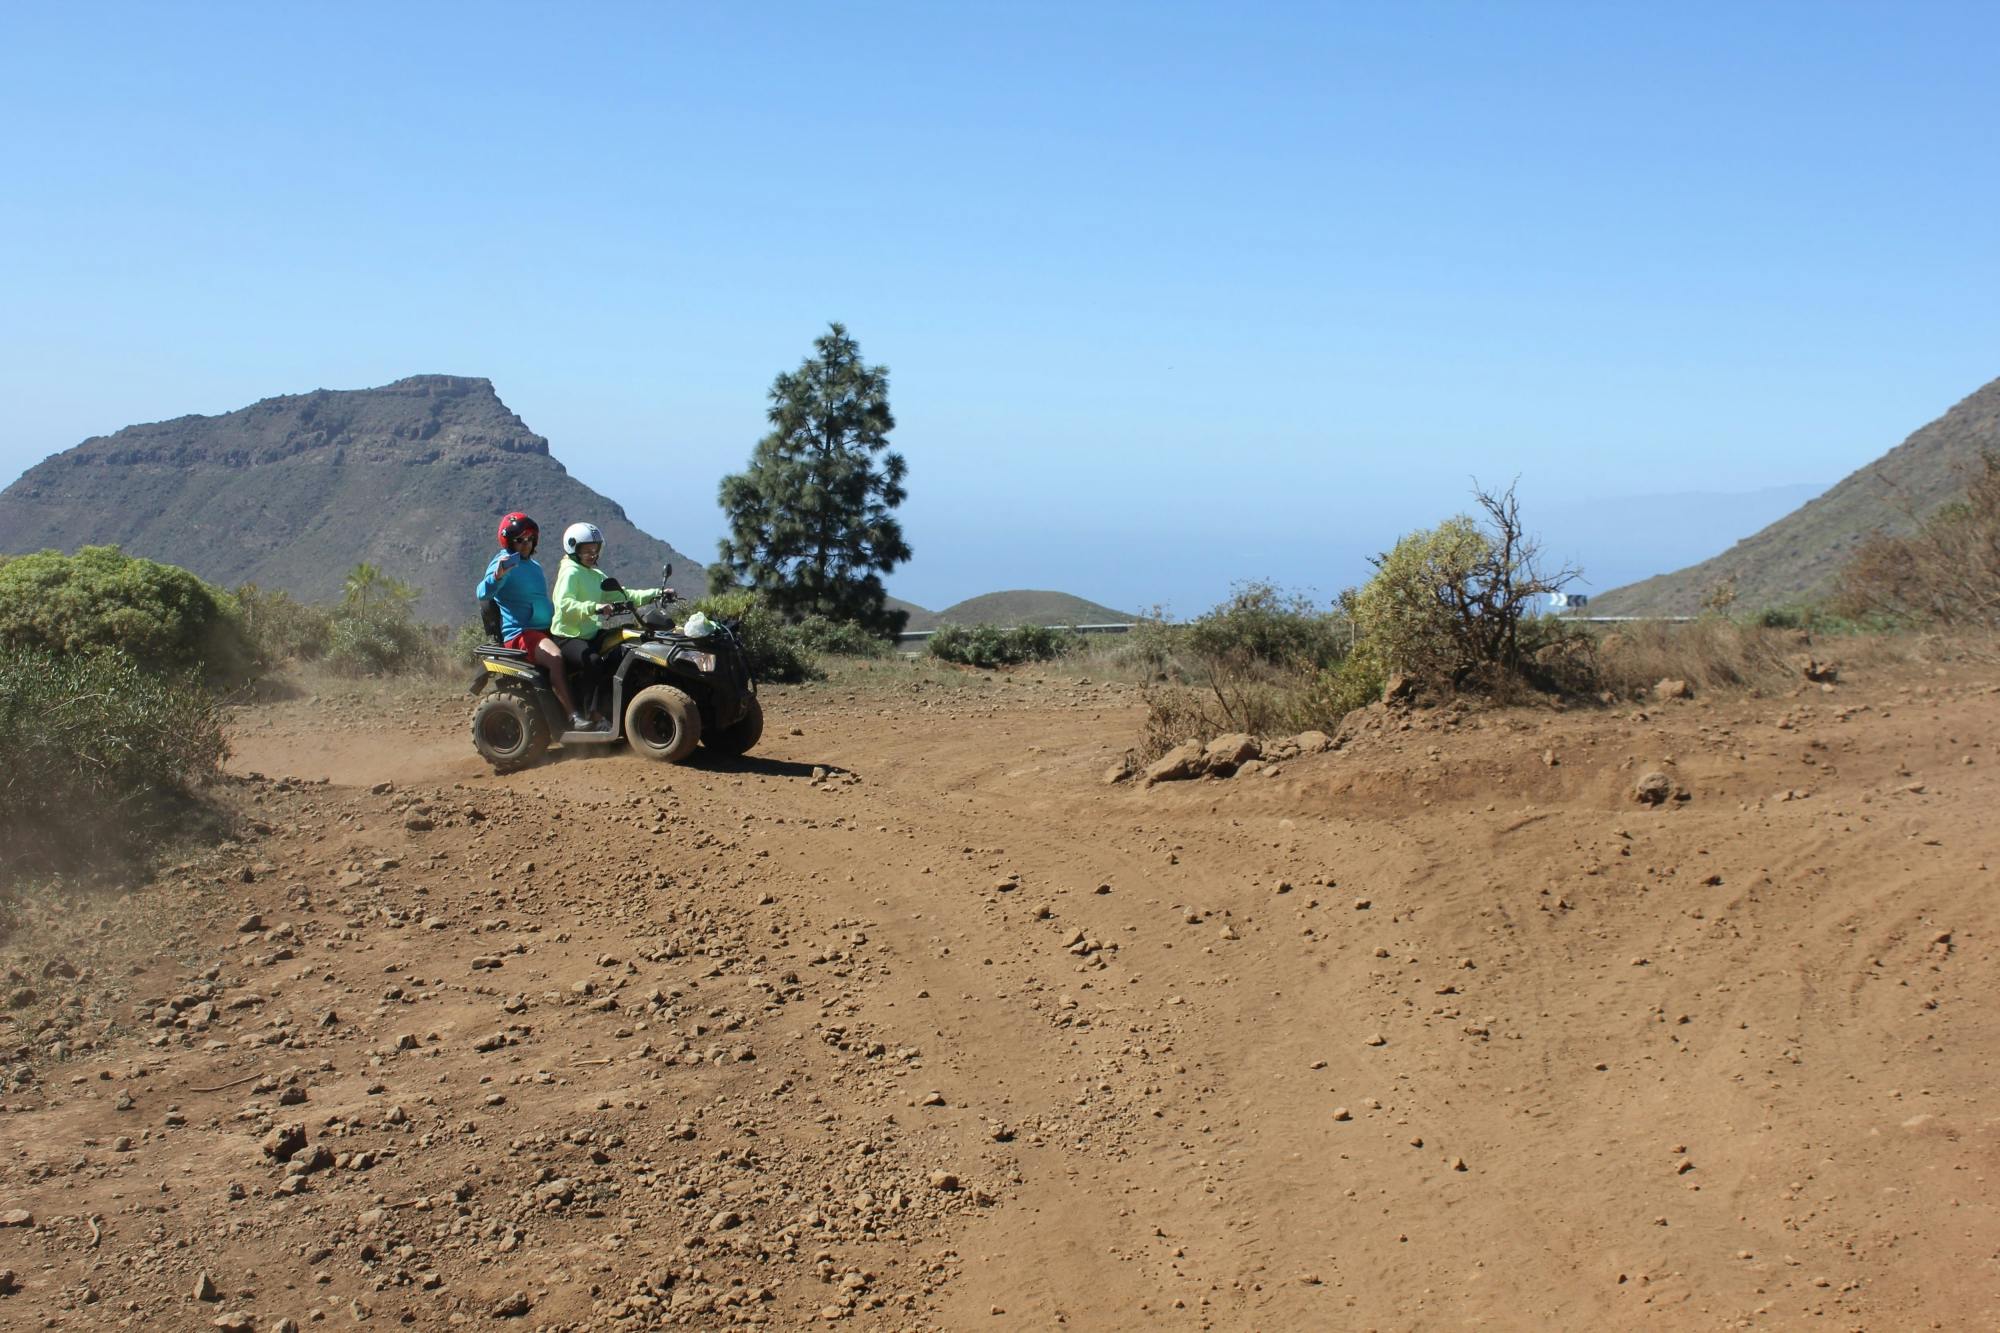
x=520 y=589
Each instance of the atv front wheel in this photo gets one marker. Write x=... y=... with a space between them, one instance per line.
x=740 y=735
x=508 y=731
x=662 y=723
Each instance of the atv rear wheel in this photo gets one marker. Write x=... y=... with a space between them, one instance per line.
x=740 y=735
x=662 y=723
x=508 y=731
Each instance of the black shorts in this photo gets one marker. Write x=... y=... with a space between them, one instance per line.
x=579 y=654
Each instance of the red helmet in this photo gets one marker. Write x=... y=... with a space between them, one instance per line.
x=515 y=526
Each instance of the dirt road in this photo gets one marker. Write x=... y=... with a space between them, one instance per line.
x=911 y=1020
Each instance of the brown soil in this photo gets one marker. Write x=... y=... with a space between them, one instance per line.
x=912 y=1021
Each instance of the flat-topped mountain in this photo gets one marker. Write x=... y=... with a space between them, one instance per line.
x=1797 y=558
x=292 y=492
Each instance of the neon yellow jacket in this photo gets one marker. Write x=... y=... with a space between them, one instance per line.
x=579 y=590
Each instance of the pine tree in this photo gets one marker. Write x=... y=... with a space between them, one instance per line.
x=810 y=519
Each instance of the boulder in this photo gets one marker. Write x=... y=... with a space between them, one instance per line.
x=1117 y=773
x=1824 y=673
x=1399 y=688
x=1186 y=760
x=1313 y=742
x=1672 y=689
x=1225 y=754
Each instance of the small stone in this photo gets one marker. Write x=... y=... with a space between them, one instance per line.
x=283 y=1141
x=725 y=1221
x=17 y=1217
x=943 y=1180
x=253 y=922
x=1377 y=1040
x=419 y=823
x=1653 y=789
x=205 y=1289
x=235 y=1321
x=512 y=1307
x=1342 y=1113
x=10 y=1282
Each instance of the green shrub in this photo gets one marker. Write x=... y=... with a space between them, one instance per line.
x=102 y=599
x=383 y=640
x=373 y=631
x=281 y=629
x=990 y=646
x=463 y=648
x=772 y=644
x=98 y=756
x=1409 y=611
x=1263 y=624
x=1446 y=606
x=819 y=635
x=1158 y=645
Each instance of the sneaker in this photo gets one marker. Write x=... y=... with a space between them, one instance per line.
x=578 y=722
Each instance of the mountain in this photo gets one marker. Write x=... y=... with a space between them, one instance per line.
x=1617 y=539
x=1797 y=558
x=1021 y=606
x=292 y=492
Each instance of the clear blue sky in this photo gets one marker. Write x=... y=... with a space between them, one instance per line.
x=1171 y=294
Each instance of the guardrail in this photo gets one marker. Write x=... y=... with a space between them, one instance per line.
x=920 y=635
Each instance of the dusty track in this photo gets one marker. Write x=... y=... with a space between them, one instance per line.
x=1725 y=1063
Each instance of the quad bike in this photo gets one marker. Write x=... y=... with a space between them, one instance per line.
x=663 y=692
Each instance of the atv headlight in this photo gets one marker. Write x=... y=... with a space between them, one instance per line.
x=702 y=661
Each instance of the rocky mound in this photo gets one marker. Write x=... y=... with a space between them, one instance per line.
x=292 y=492
x=1797 y=558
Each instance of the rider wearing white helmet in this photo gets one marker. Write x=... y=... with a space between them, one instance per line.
x=582 y=599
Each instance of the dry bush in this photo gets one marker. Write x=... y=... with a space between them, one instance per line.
x=1946 y=573
x=1260 y=699
x=1709 y=654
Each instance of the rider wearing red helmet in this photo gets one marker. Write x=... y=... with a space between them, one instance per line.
x=517 y=585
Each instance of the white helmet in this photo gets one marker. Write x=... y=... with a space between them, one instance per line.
x=577 y=534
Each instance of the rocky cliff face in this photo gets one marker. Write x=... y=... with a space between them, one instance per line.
x=1798 y=557
x=292 y=492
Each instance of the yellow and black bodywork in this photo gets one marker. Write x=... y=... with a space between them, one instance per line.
x=663 y=693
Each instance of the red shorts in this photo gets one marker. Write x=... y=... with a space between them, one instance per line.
x=528 y=640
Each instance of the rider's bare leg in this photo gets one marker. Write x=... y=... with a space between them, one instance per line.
x=549 y=656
